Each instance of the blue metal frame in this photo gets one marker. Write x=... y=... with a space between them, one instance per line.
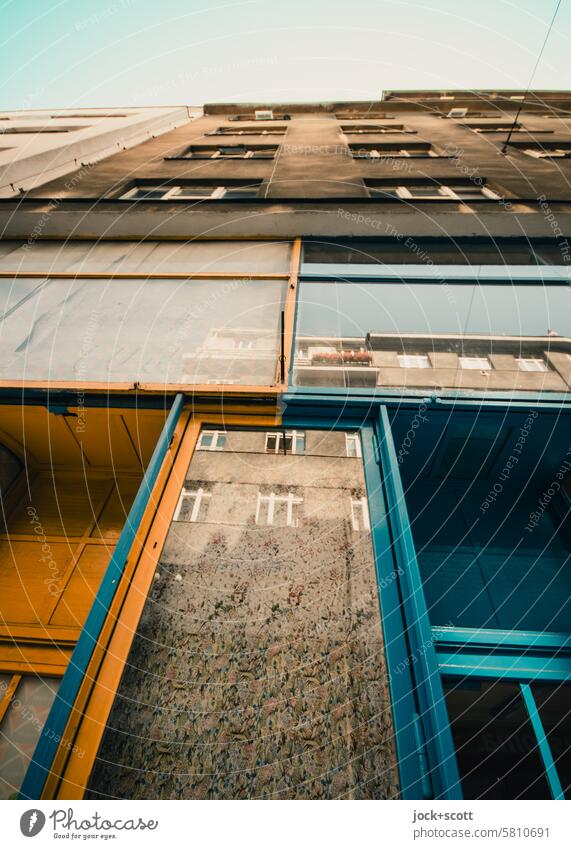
x=412 y=770
x=54 y=728
x=542 y=743
x=434 y=716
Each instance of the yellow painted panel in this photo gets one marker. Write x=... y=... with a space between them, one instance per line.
x=104 y=439
x=145 y=428
x=45 y=436
x=64 y=503
x=82 y=587
x=117 y=508
x=29 y=575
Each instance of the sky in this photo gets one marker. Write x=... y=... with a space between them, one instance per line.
x=98 y=53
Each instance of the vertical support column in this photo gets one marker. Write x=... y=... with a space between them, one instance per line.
x=430 y=694
x=54 y=728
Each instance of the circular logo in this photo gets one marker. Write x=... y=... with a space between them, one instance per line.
x=32 y=822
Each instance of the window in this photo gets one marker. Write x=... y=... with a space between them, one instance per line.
x=249 y=131
x=342 y=310
x=212 y=440
x=531 y=364
x=366 y=152
x=494 y=127
x=235 y=151
x=498 y=757
x=360 y=514
x=191 y=191
x=438 y=192
x=481 y=363
x=281 y=510
x=560 y=151
x=192 y=505
x=413 y=361
x=353 y=444
x=36 y=130
x=294 y=442
x=353 y=129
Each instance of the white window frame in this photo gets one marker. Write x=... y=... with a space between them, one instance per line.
x=475 y=363
x=538 y=364
x=355 y=440
x=553 y=153
x=444 y=193
x=174 y=192
x=362 y=505
x=396 y=153
x=413 y=360
x=271 y=499
x=216 y=434
x=197 y=496
x=279 y=435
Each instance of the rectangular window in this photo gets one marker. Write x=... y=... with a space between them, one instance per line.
x=381 y=129
x=212 y=440
x=250 y=131
x=273 y=587
x=202 y=319
x=353 y=444
x=191 y=191
x=498 y=757
x=290 y=442
x=237 y=151
x=531 y=364
x=360 y=514
x=192 y=505
x=558 y=152
x=281 y=510
x=371 y=152
x=413 y=361
x=438 y=192
x=481 y=363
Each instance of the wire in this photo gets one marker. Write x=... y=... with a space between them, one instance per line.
x=512 y=128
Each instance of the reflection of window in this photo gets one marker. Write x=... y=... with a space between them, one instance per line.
x=292 y=442
x=360 y=514
x=531 y=364
x=481 y=363
x=353 y=444
x=281 y=510
x=21 y=725
x=192 y=505
x=212 y=440
x=413 y=361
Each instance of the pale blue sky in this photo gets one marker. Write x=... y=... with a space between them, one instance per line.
x=72 y=53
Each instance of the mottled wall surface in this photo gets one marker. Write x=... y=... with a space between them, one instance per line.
x=259 y=667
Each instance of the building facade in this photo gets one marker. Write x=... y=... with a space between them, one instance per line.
x=285 y=452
